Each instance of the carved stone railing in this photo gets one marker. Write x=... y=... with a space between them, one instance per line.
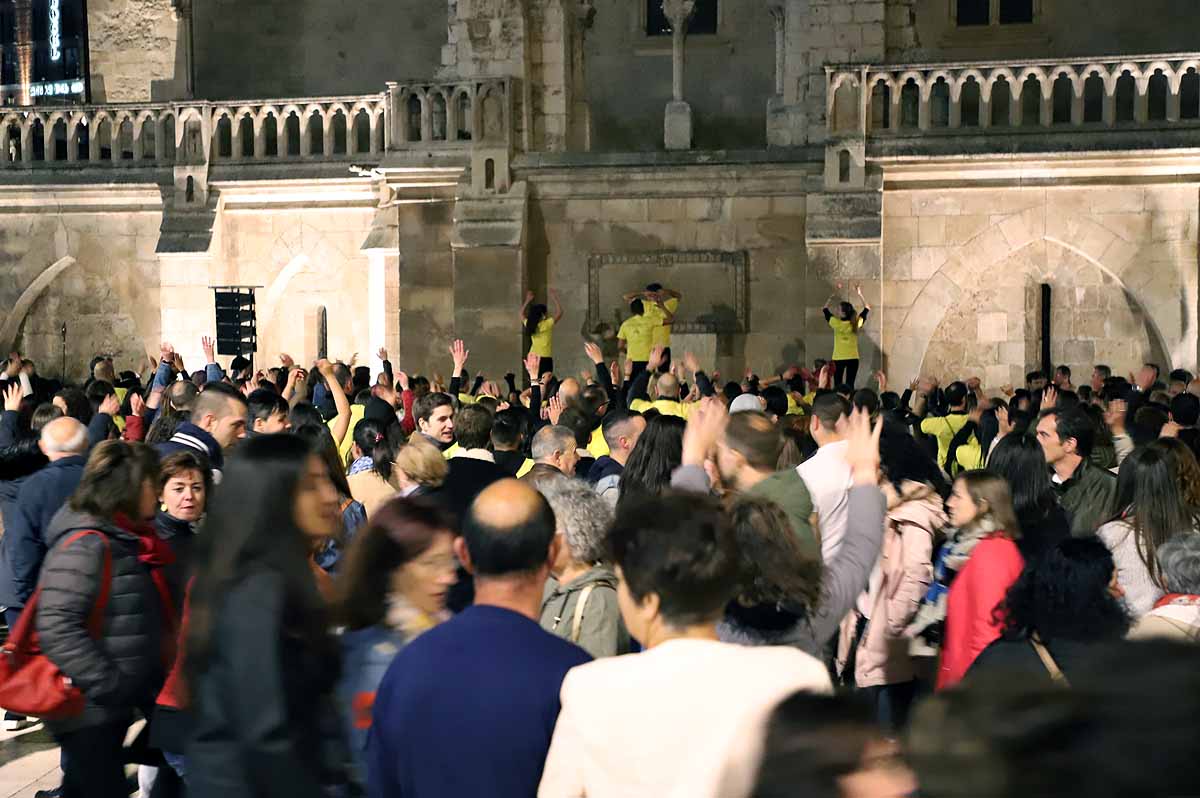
x=425 y=115
x=1104 y=93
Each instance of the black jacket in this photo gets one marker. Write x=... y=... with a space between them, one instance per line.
x=123 y=669
x=1016 y=658
x=179 y=535
x=465 y=480
x=26 y=534
x=264 y=719
x=604 y=466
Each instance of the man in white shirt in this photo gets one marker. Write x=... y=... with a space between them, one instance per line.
x=826 y=474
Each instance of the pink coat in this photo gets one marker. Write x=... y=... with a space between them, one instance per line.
x=914 y=519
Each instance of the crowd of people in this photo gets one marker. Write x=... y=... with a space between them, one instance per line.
x=637 y=581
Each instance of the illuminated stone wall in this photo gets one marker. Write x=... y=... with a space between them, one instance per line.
x=137 y=51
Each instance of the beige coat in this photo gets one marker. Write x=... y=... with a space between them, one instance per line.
x=915 y=517
x=371 y=490
x=1181 y=623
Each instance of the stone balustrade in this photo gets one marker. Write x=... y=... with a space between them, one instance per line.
x=957 y=98
x=406 y=116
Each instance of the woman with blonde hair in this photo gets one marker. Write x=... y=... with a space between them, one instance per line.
x=972 y=573
x=419 y=468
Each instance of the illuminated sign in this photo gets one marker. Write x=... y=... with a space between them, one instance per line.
x=59 y=88
x=55 y=30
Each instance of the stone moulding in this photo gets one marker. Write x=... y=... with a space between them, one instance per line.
x=730 y=266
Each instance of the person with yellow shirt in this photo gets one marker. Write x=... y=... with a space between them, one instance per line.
x=636 y=336
x=662 y=305
x=669 y=402
x=943 y=427
x=539 y=326
x=845 y=337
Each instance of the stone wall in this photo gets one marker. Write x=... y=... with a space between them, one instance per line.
x=136 y=51
x=306 y=48
x=961 y=270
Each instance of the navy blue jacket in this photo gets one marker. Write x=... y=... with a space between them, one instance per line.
x=190 y=438
x=468 y=709
x=23 y=546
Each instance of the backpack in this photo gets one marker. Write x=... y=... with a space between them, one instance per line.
x=30 y=683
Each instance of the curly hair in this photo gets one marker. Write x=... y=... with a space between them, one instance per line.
x=582 y=516
x=773 y=568
x=1065 y=596
x=1187 y=469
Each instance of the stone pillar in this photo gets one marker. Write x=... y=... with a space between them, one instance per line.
x=778 y=131
x=579 y=133
x=382 y=248
x=183 y=15
x=24 y=24
x=677 y=127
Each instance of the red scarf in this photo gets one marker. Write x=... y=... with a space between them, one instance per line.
x=155 y=553
x=1178 y=600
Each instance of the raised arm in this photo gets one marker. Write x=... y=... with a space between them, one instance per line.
x=558 y=311
x=341 y=422
x=525 y=307
x=866 y=305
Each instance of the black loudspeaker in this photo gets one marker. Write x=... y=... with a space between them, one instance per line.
x=237 y=325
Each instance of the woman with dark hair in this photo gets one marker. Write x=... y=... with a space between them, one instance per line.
x=971 y=573
x=262 y=665
x=305 y=413
x=370 y=477
x=327 y=552
x=74 y=403
x=881 y=665
x=1021 y=461
x=845 y=337
x=658 y=452
x=1057 y=612
x=179 y=398
x=105 y=530
x=391 y=589
x=539 y=326
x=1153 y=492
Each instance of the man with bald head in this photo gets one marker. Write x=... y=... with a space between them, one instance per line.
x=469 y=707
x=64 y=441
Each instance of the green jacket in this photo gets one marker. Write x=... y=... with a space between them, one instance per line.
x=602 y=631
x=787 y=489
x=1090 y=496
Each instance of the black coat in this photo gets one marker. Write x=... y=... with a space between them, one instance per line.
x=122 y=669
x=26 y=535
x=180 y=536
x=265 y=724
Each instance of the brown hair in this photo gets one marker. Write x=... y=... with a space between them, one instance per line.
x=398 y=533
x=992 y=496
x=113 y=479
x=181 y=463
x=755 y=437
x=421 y=462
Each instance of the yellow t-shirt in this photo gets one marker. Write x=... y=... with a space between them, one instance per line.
x=944 y=428
x=665 y=407
x=845 y=337
x=662 y=330
x=637 y=332
x=597 y=446
x=356 y=415
x=541 y=343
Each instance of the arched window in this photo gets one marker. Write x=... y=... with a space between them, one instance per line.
x=489 y=174
x=1093 y=99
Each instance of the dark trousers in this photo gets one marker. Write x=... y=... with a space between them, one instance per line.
x=11 y=616
x=638 y=367
x=666 y=364
x=94 y=761
x=845 y=372
x=893 y=703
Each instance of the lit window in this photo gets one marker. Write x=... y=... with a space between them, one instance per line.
x=704 y=19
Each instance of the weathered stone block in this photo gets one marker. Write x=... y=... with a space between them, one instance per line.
x=677 y=126
x=992 y=327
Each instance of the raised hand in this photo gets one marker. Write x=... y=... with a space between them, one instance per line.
x=704 y=428
x=382 y=353
x=973 y=384
x=614 y=372
x=656 y=358
x=881 y=378
x=325 y=368
x=353 y=360
x=1006 y=425
x=12 y=397
x=402 y=380
x=528 y=297
x=862 y=450
x=136 y=406
x=532 y=363
x=208 y=344
x=554 y=409
x=1170 y=430
x=594 y=352
x=110 y=405
x=691 y=362
x=459 y=354
x=1008 y=390
x=1049 y=397
x=286 y=360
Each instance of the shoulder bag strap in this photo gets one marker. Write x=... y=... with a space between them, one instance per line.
x=1056 y=674
x=577 y=622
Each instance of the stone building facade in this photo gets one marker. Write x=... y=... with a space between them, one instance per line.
x=399 y=173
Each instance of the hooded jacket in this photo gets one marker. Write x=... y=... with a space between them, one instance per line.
x=123 y=668
x=189 y=437
x=602 y=632
x=914 y=519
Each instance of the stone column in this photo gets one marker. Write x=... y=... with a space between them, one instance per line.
x=24 y=25
x=183 y=15
x=579 y=133
x=779 y=16
x=677 y=128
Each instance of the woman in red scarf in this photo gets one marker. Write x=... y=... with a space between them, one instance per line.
x=105 y=562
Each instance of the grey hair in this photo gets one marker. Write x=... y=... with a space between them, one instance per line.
x=583 y=517
x=1179 y=560
x=550 y=441
x=76 y=444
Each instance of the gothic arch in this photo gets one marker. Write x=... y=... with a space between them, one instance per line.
x=12 y=323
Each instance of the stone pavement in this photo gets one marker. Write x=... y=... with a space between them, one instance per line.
x=28 y=762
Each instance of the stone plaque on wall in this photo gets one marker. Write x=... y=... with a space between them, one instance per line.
x=713 y=284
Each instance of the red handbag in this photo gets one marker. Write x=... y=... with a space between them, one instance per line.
x=30 y=684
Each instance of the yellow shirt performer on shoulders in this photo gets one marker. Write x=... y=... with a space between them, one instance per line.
x=662 y=306
x=539 y=326
x=636 y=335
x=845 y=337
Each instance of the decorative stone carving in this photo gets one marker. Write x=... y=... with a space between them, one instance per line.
x=677 y=125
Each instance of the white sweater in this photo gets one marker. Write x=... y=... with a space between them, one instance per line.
x=685 y=719
x=1140 y=590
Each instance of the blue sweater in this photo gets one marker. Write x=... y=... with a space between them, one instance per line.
x=468 y=709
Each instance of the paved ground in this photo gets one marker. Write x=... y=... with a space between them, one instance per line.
x=28 y=762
